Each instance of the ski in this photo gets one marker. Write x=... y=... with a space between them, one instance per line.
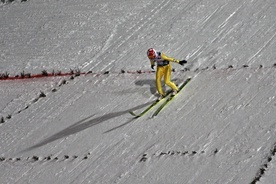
x=145 y=111
x=170 y=98
x=149 y=107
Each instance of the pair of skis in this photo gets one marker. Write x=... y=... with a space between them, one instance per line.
x=168 y=98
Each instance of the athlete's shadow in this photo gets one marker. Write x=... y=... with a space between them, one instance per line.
x=85 y=124
x=152 y=84
x=147 y=82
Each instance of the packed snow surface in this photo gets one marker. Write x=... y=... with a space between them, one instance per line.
x=221 y=128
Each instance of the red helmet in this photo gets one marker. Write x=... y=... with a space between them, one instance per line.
x=151 y=53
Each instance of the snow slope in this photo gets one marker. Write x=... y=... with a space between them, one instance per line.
x=220 y=129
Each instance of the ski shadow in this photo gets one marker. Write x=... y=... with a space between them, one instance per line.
x=117 y=127
x=84 y=124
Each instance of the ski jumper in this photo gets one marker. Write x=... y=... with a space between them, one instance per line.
x=163 y=69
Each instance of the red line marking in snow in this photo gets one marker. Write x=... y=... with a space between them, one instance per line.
x=32 y=76
x=29 y=76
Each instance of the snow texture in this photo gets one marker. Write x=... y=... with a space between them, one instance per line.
x=220 y=129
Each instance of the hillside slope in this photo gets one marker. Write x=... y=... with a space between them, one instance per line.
x=219 y=129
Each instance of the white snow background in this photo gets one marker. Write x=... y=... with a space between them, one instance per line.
x=220 y=129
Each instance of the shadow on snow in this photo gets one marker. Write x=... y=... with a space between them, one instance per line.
x=84 y=124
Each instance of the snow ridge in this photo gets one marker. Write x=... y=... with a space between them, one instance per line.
x=175 y=154
x=43 y=159
x=264 y=168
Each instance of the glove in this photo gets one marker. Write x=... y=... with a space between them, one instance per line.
x=182 y=62
x=152 y=67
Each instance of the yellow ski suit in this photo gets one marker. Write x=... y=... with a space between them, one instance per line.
x=163 y=69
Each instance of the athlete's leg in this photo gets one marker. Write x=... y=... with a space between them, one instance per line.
x=167 y=78
x=159 y=75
